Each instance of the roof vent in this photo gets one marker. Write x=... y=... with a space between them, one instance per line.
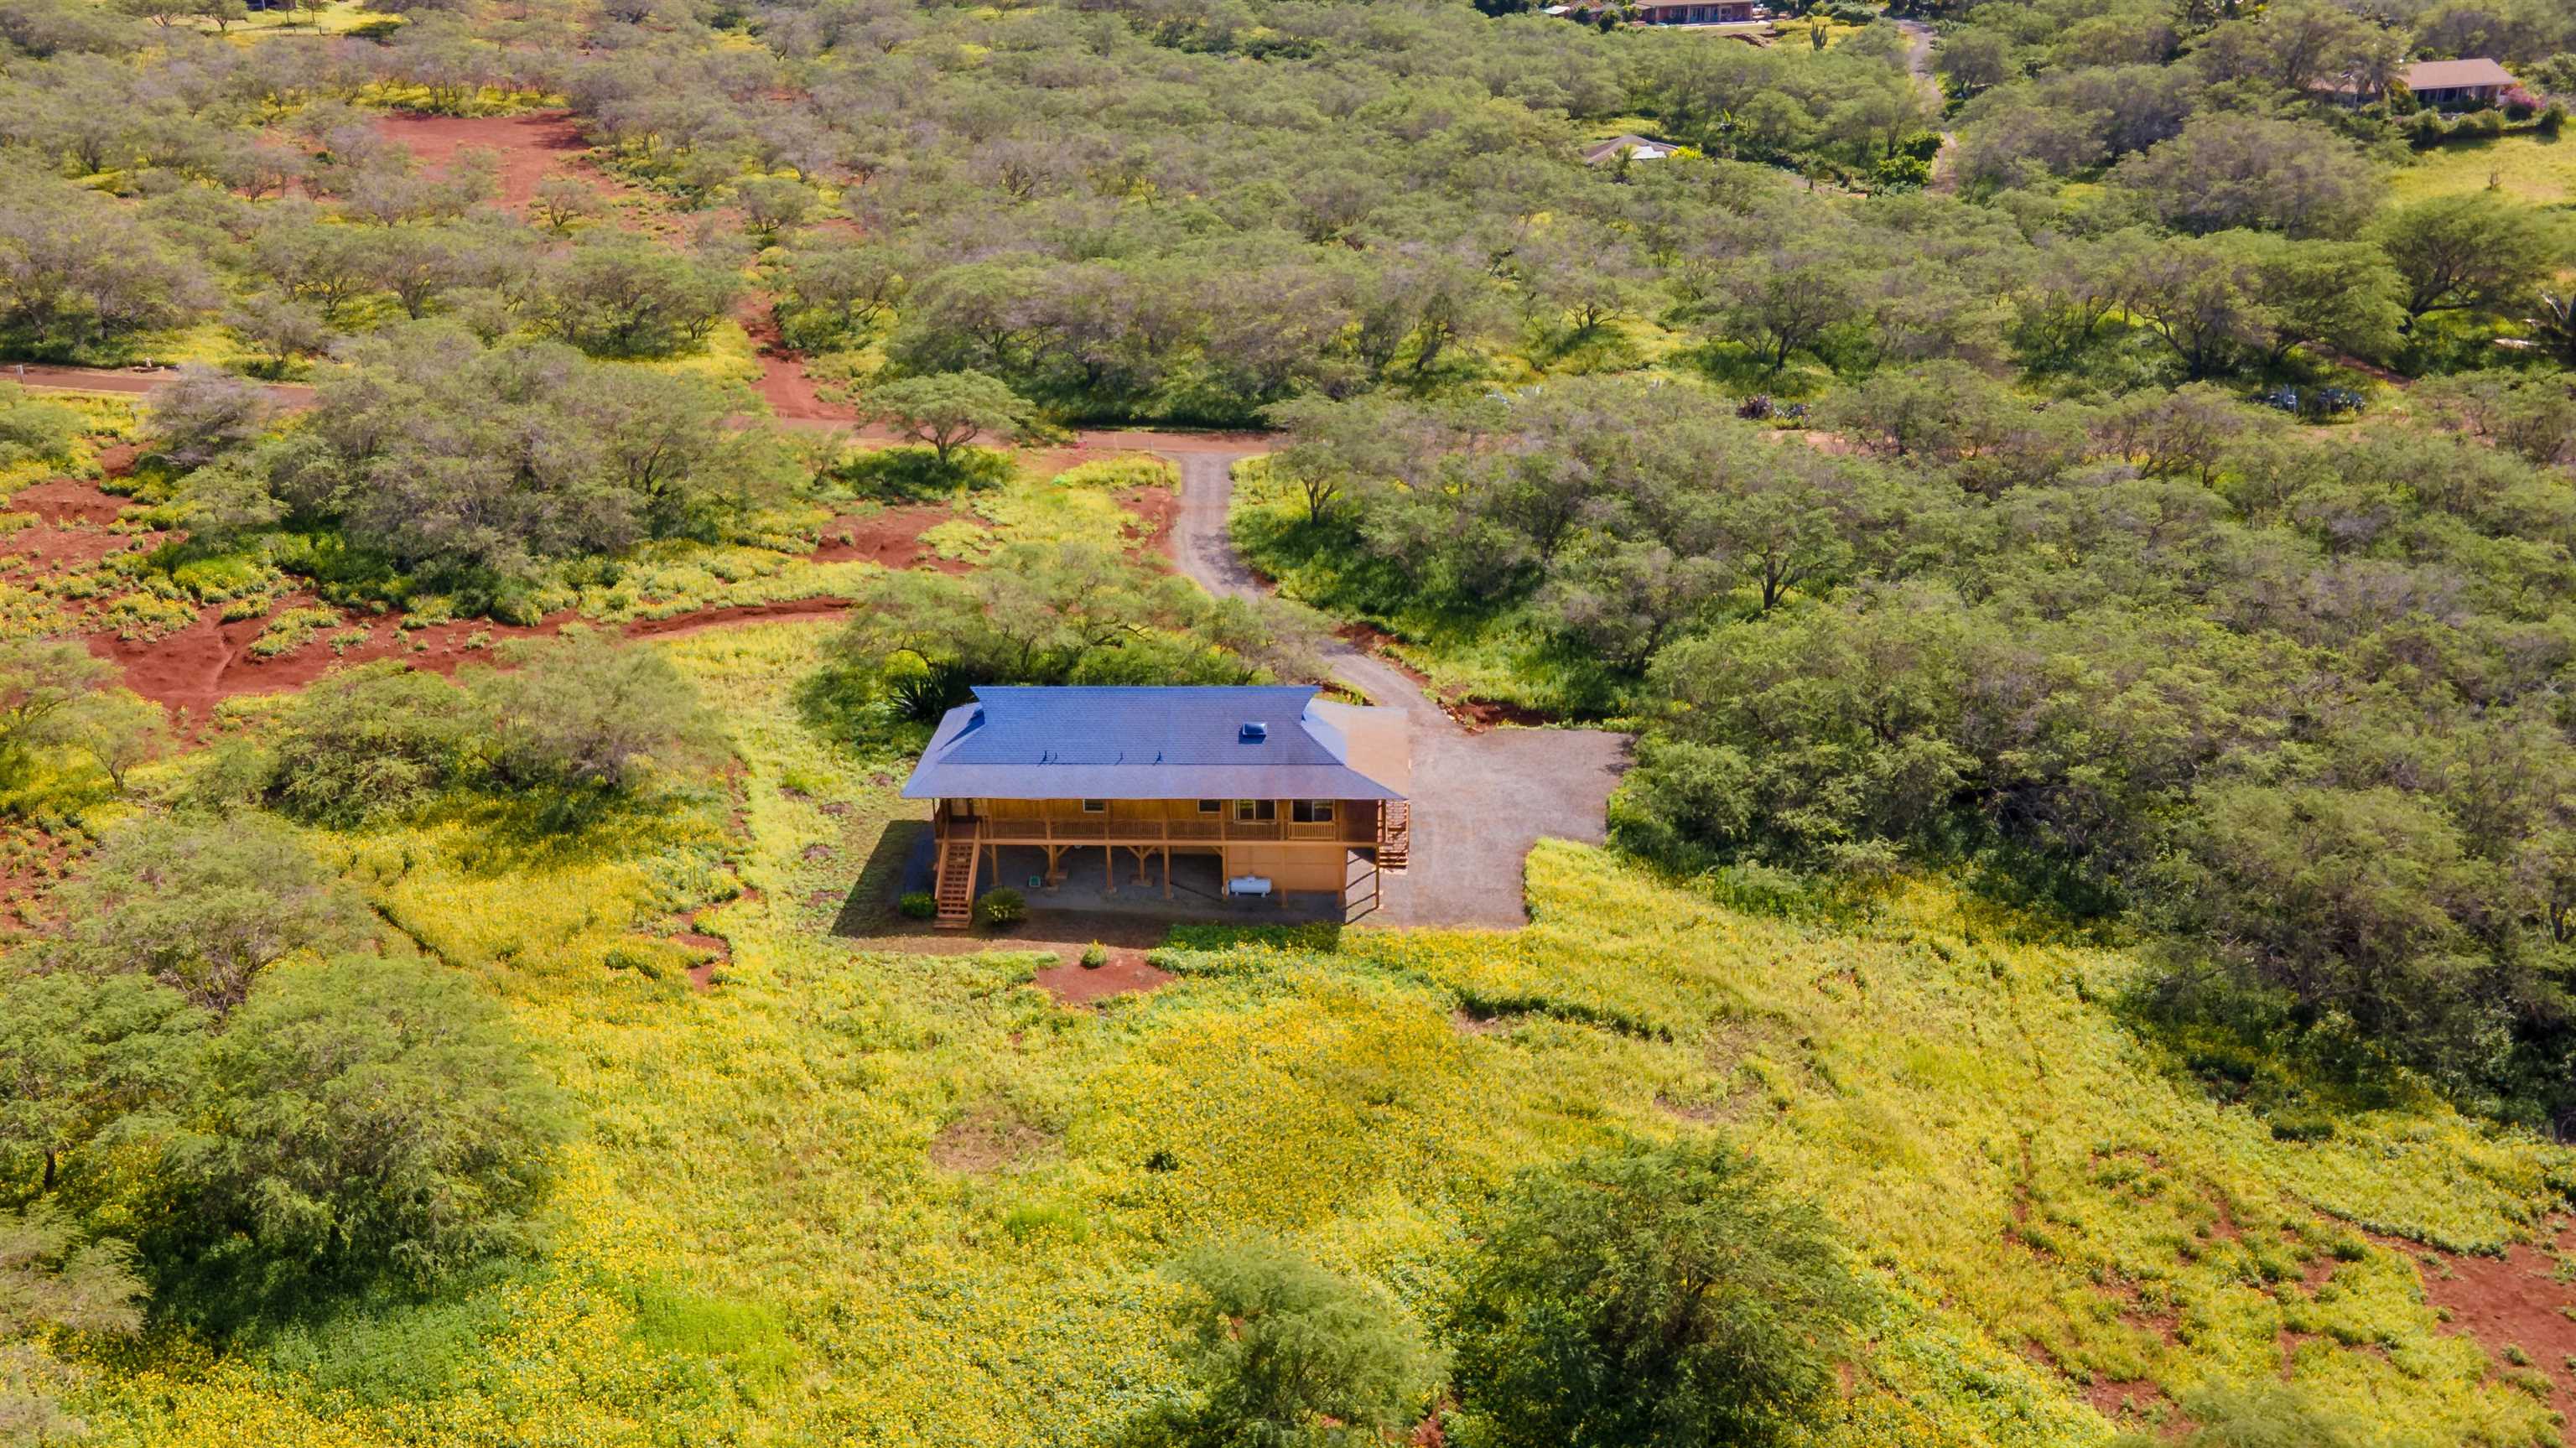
x=1254 y=732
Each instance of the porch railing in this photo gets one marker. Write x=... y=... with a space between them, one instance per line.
x=999 y=831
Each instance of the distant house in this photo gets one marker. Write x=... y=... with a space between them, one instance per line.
x=2458 y=84
x=1274 y=788
x=1637 y=148
x=1696 y=12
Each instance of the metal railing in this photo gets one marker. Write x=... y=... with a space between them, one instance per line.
x=1000 y=831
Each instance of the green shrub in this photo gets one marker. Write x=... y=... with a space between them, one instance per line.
x=32 y=430
x=369 y=743
x=1120 y=474
x=1280 y=1350
x=2303 y=1125
x=1094 y=956
x=917 y=472
x=1901 y=173
x=1002 y=907
x=292 y=630
x=1749 y=1300
x=652 y=959
x=1033 y=1219
x=917 y=905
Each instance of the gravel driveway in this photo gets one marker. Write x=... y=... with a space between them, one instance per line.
x=1479 y=800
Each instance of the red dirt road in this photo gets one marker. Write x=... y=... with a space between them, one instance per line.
x=209 y=661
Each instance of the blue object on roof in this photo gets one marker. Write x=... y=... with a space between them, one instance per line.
x=1254 y=742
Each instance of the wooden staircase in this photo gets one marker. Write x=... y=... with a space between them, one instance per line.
x=1394 y=836
x=955 y=890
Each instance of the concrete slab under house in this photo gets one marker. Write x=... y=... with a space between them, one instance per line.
x=1264 y=802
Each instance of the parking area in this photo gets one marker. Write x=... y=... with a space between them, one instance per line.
x=1480 y=801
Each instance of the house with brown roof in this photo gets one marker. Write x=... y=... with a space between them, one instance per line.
x=1237 y=794
x=2458 y=84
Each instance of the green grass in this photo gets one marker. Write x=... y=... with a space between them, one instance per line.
x=2534 y=169
x=755 y=1243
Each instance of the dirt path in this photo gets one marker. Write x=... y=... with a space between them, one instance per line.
x=126 y=381
x=1480 y=799
x=1918 y=49
x=1918 y=59
x=193 y=669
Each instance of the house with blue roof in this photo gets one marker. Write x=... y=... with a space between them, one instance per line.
x=1256 y=792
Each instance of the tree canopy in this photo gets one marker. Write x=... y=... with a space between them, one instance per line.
x=1650 y=1297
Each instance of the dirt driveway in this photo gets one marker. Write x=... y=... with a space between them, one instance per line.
x=1479 y=800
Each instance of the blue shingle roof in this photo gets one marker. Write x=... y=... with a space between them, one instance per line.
x=1138 y=743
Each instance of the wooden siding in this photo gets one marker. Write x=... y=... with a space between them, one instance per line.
x=1180 y=820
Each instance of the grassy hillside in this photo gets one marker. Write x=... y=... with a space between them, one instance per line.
x=2539 y=170
x=853 y=1196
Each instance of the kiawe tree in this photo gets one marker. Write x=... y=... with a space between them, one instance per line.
x=50 y=1279
x=78 y=1052
x=358 y=1119
x=59 y=704
x=1667 y=1297
x=202 y=907
x=2474 y=252
x=1280 y=1352
x=945 y=411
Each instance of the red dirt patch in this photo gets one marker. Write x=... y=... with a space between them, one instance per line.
x=2125 y=1403
x=1125 y=973
x=1158 y=511
x=532 y=147
x=68 y=500
x=25 y=885
x=61 y=550
x=988 y=1141
x=719 y=952
x=891 y=536
x=1480 y=715
x=196 y=667
x=208 y=661
x=2509 y=1301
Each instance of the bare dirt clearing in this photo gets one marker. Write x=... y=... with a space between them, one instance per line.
x=1125 y=973
x=532 y=147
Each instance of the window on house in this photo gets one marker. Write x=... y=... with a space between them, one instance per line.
x=1252 y=811
x=1095 y=806
x=1312 y=812
x=1211 y=806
